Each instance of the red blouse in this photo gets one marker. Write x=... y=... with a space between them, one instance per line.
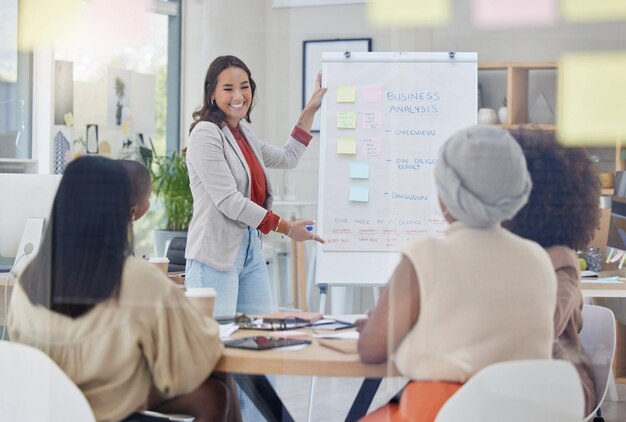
x=258 y=191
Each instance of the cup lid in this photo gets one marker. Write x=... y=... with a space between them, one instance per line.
x=158 y=259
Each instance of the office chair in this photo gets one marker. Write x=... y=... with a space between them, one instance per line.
x=518 y=391
x=176 y=254
x=598 y=340
x=34 y=388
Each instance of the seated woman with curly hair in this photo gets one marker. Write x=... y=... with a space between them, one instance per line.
x=561 y=215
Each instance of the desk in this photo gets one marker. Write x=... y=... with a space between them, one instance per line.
x=250 y=368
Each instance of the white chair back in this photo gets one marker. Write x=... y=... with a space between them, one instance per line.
x=518 y=391
x=34 y=388
x=598 y=340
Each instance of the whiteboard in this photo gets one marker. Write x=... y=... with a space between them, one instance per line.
x=383 y=119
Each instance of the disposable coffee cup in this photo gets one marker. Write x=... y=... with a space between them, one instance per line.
x=202 y=298
x=161 y=262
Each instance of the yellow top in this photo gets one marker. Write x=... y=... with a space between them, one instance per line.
x=119 y=349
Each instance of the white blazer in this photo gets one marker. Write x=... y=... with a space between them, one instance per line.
x=220 y=184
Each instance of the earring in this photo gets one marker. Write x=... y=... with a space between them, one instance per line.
x=213 y=103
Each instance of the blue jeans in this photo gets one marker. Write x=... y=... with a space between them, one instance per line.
x=245 y=288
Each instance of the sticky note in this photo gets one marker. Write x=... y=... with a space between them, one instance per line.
x=393 y=13
x=591 y=101
x=370 y=120
x=346 y=94
x=489 y=14
x=346 y=120
x=593 y=10
x=346 y=146
x=47 y=23
x=359 y=170
x=370 y=147
x=372 y=94
x=359 y=193
x=68 y=118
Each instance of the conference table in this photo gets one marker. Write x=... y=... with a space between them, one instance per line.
x=250 y=368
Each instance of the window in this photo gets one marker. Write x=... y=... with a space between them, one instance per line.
x=15 y=88
x=126 y=96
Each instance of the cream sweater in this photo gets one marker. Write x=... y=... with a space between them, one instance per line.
x=151 y=336
x=485 y=296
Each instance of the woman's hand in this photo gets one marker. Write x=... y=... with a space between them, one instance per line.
x=305 y=122
x=299 y=232
x=359 y=324
x=315 y=101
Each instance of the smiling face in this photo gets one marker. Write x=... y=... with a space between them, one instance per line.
x=233 y=94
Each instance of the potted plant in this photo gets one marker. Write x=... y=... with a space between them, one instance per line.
x=170 y=184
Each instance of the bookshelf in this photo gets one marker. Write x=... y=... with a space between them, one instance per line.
x=517 y=77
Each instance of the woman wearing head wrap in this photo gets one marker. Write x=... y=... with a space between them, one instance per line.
x=478 y=296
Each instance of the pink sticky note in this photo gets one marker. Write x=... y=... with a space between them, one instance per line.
x=370 y=120
x=488 y=14
x=372 y=94
x=370 y=147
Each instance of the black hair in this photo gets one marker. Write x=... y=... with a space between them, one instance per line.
x=140 y=182
x=209 y=112
x=86 y=242
x=563 y=205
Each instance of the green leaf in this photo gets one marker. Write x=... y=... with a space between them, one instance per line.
x=170 y=183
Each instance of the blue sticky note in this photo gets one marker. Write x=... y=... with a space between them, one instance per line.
x=359 y=193
x=359 y=170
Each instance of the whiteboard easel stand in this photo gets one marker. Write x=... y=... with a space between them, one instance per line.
x=338 y=300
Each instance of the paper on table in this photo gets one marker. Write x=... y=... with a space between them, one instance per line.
x=588 y=273
x=340 y=335
x=226 y=330
x=603 y=280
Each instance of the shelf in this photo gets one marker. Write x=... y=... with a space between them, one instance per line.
x=517 y=89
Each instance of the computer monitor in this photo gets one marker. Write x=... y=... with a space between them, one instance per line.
x=617 y=225
x=23 y=196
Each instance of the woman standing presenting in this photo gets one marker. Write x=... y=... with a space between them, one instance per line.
x=232 y=195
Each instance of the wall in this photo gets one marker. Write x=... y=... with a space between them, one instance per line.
x=269 y=40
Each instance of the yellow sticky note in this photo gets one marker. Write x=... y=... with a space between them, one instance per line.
x=346 y=146
x=346 y=94
x=592 y=98
x=69 y=119
x=346 y=120
x=50 y=22
x=409 y=12
x=593 y=10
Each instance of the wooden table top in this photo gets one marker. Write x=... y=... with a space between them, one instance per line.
x=313 y=359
